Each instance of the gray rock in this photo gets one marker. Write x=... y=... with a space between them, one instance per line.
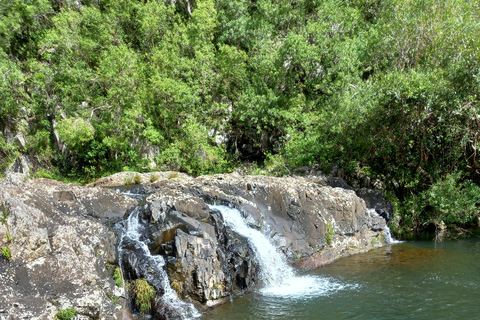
x=207 y=263
x=374 y=199
x=59 y=250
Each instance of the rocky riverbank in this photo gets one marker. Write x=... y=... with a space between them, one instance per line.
x=64 y=238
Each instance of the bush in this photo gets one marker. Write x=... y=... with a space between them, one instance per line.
x=75 y=132
x=144 y=294
x=453 y=202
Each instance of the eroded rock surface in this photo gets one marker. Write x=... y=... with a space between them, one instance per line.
x=310 y=221
x=62 y=238
x=60 y=247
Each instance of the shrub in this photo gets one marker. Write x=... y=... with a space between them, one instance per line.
x=66 y=314
x=453 y=201
x=75 y=132
x=144 y=294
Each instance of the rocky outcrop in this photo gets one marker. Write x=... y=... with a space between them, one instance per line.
x=62 y=238
x=311 y=222
x=60 y=249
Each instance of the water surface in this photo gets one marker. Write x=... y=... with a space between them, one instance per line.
x=412 y=280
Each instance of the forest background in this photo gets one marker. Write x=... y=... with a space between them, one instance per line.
x=386 y=90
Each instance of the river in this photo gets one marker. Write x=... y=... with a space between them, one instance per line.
x=410 y=280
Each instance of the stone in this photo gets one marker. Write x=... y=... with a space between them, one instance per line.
x=19 y=140
x=60 y=246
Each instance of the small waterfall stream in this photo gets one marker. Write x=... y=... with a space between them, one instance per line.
x=279 y=279
x=388 y=236
x=132 y=233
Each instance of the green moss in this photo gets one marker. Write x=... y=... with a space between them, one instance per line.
x=144 y=294
x=117 y=276
x=177 y=286
x=66 y=314
x=329 y=235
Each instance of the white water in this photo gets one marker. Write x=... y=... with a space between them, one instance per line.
x=170 y=297
x=388 y=236
x=278 y=277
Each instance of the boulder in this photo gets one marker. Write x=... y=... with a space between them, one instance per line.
x=60 y=248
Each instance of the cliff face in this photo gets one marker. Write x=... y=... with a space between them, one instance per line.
x=62 y=238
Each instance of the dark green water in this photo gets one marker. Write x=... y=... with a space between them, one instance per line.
x=412 y=280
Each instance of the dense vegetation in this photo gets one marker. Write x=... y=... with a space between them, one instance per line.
x=385 y=89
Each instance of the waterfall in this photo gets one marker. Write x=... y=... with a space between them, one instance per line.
x=132 y=233
x=279 y=279
x=388 y=236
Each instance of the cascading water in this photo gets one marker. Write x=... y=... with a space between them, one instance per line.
x=388 y=236
x=278 y=277
x=132 y=234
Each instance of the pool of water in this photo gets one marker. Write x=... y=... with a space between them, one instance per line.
x=411 y=280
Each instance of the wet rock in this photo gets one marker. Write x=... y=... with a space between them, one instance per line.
x=207 y=262
x=295 y=211
x=374 y=199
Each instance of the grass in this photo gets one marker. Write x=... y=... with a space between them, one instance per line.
x=6 y=253
x=172 y=175
x=154 y=177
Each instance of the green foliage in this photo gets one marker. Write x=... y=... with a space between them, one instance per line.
x=388 y=85
x=329 y=234
x=6 y=253
x=144 y=294
x=112 y=297
x=75 y=132
x=66 y=314
x=3 y=218
x=117 y=276
x=275 y=165
x=194 y=153
x=453 y=201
